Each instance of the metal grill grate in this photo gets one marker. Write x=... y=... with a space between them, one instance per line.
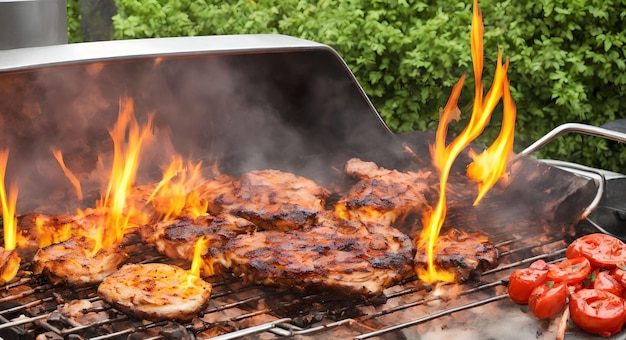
x=31 y=308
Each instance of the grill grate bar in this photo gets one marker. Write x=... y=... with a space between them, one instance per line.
x=24 y=321
x=25 y=306
x=26 y=293
x=432 y=316
x=130 y=330
x=78 y=328
x=526 y=261
x=251 y=330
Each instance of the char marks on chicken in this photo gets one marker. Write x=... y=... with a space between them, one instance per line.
x=176 y=238
x=217 y=190
x=353 y=259
x=275 y=200
x=73 y=263
x=156 y=291
x=467 y=254
x=381 y=195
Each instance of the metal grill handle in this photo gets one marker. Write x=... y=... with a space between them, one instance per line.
x=598 y=176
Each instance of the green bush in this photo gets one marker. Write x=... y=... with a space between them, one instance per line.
x=73 y=22
x=567 y=56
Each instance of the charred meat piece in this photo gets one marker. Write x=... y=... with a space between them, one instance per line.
x=156 y=291
x=382 y=196
x=276 y=200
x=72 y=262
x=467 y=254
x=354 y=260
x=176 y=238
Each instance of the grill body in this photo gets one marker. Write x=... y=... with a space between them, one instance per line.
x=243 y=102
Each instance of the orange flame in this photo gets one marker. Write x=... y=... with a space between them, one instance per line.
x=10 y=261
x=177 y=195
x=8 y=205
x=490 y=166
x=126 y=156
x=69 y=174
x=199 y=265
x=444 y=156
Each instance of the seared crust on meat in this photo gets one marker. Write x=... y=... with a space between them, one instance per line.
x=70 y=262
x=382 y=196
x=356 y=261
x=156 y=291
x=217 y=190
x=276 y=200
x=176 y=238
x=467 y=254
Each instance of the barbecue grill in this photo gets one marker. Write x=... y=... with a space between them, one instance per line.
x=257 y=102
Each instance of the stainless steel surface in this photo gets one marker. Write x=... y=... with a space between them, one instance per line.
x=593 y=173
x=573 y=127
x=27 y=23
x=151 y=48
x=600 y=176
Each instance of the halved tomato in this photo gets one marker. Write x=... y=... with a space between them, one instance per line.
x=600 y=249
x=539 y=264
x=597 y=311
x=523 y=281
x=606 y=282
x=570 y=270
x=548 y=299
x=619 y=273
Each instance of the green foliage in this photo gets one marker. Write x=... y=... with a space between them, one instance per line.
x=567 y=57
x=73 y=22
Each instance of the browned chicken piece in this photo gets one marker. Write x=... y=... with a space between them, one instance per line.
x=467 y=254
x=216 y=190
x=156 y=291
x=72 y=262
x=38 y=230
x=276 y=200
x=177 y=238
x=382 y=196
x=354 y=260
x=9 y=264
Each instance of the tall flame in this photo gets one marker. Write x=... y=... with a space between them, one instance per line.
x=10 y=263
x=8 y=205
x=482 y=169
x=490 y=166
x=126 y=156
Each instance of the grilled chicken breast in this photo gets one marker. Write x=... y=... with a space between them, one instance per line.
x=156 y=291
x=71 y=262
x=276 y=200
x=382 y=196
x=176 y=238
x=467 y=254
x=354 y=260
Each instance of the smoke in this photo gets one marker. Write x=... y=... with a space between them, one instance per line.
x=297 y=111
